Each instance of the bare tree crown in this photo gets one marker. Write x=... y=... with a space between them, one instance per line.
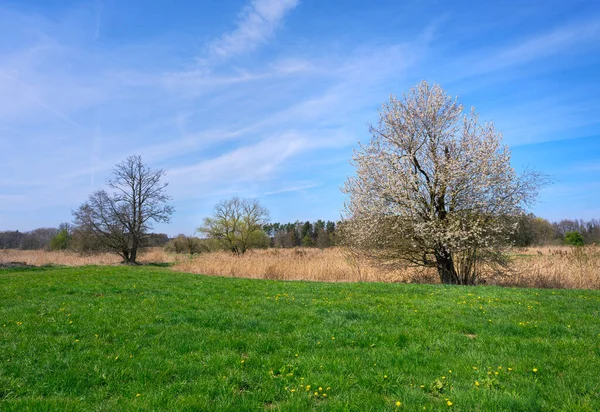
x=120 y=221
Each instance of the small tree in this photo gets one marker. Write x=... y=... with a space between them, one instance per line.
x=307 y=241
x=573 y=238
x=237 y=224
x=434 y=187
x=121 y=220
x=61 y=240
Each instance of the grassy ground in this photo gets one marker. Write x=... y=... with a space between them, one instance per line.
x=128 y=338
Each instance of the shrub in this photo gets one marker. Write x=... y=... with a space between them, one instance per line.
x=573 y=238
x=185 y=244
x=61 y=240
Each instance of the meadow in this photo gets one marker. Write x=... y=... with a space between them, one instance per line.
x=149 y=338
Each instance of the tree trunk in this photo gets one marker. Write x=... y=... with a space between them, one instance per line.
x=445 y=267
x=133 y=255
x=126 y=257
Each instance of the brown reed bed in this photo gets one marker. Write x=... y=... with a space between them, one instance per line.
x=554 y=267
x=69 y=258
x=329 y=265
x=545 y=267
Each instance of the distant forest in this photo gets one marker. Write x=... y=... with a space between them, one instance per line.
x=531 y=231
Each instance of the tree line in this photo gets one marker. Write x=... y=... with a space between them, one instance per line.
x=65 y=237
x=536 y=231
x=320 y=233
x=531 y=230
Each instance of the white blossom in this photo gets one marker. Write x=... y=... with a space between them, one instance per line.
x=434 y=186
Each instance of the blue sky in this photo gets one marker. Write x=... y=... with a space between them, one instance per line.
x=268 y=98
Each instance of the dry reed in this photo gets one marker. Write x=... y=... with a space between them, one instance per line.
x=555 y=267
x=331 y=265
x=68 y=258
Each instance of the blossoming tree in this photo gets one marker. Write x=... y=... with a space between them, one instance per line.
x=434 y=187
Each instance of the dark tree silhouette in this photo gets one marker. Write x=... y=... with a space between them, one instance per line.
x=121 y=220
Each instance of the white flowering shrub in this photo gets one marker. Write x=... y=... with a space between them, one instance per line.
x=434 y=187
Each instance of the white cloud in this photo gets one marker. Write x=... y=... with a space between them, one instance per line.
x=562 y=39
x=256 y=24
x=247 y=164
x=293 y=188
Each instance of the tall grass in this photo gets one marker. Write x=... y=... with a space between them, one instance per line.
x=331 y=265
x=555 y=267
x=68 y=258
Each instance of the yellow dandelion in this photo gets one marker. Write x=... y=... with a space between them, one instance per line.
x=476 y=383
x=307 y=387
x=384 y=376
x=496 y=372
x=398 y=403
x=324 y=395
x=316 y=393
x=293 y=390
x=474 y=368
x=139 y=394
x=534 y=369
x=320 y=389
x=510 y=369
x=449 y=403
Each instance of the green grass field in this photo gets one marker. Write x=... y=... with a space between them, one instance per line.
x=129 y=338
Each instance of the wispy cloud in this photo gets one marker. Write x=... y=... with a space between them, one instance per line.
x=256 y=24
x=293 y=188
x=553 y=42
x=567 y=38
x=34 y=98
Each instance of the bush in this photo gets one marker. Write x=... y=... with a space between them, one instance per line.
x=573 y=238
x=61 y=240
x=185 y=244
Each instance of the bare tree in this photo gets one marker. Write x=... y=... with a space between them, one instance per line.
x=120 y=221
x=237 y=224
x=434 y=187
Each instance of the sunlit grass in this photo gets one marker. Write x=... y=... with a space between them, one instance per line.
x=120 y=338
